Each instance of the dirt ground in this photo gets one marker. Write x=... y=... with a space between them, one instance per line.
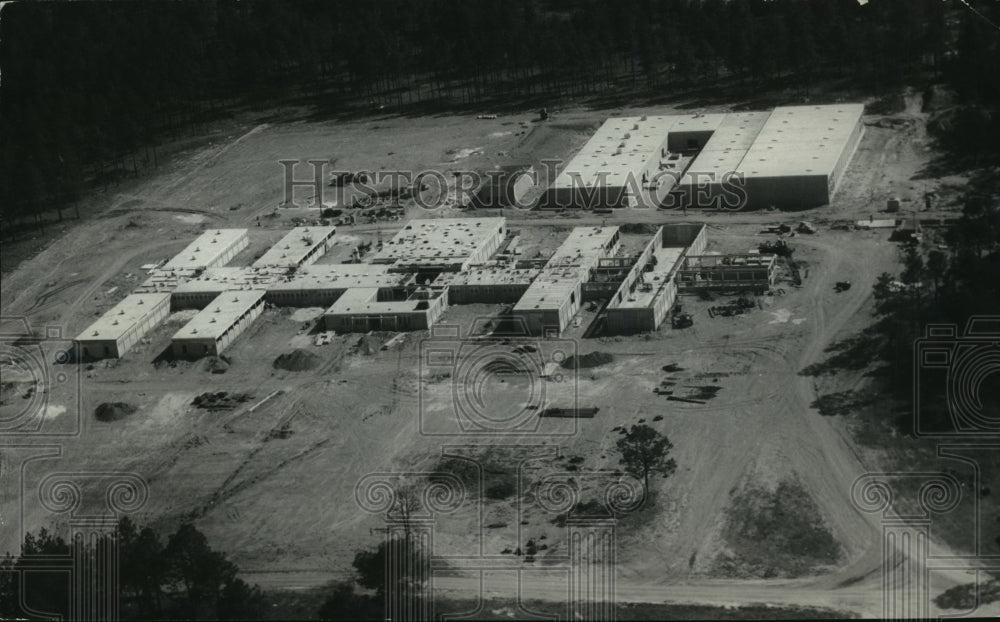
x=283 y=506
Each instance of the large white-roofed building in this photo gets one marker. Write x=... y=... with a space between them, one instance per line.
x=122 y=326
x=368 y=308
x=215 y=247
x=300 y=247
x=219 y=324
x=443 y=244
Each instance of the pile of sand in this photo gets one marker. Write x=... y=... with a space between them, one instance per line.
x=368 y=345
x=587 y=361
x=297 y=360
x=113 y=411
x=216 y=364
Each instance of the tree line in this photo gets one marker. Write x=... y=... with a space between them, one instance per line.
x=183 y=578
x=90 y=90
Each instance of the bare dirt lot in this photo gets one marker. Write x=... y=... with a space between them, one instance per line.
x=271 y=477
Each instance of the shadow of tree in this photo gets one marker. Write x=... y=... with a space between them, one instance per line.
x=853 y=353
x=843 y=402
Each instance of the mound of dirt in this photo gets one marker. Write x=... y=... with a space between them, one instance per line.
x=368 y=345
x=113 y=411
x=297 y=360
x=216 y=364
x=588 y=361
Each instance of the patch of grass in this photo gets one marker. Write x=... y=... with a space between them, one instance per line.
x=967 y=597
x=842 y=403
x=776 y=533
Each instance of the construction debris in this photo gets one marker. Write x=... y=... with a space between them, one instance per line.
x=297 y=360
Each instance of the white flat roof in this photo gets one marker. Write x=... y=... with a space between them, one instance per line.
x=801 y=140
x=489 y=276
x=365 y=300
x=622 y=145
x=341 y=276
x=434 y=240
x=568 y=267
x=583 y=246
x=220 y=314
x=727 y=147
x=551 y=289
x=230 y=278
x=120 y=318
x=292 y=249
x=206 y=249
x=666 y=260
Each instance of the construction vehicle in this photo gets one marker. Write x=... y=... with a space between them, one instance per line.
x=681 y=320
x=777 y=247
x=842 y=286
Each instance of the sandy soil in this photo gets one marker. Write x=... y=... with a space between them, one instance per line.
x=285 y=509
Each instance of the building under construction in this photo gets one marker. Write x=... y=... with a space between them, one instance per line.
x=753 y=272
x=649 y=290
x=402 y=292
x=554 y=297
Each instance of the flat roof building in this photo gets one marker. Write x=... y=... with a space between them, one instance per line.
x=122 y=326
x=443 y=244
x=320 y=285
x=368 y=308
x=719 y=158
x=487 y=284
x=219 y=324
x=609 y=169
x=300 y=247
x=215 y=247
x=197 y=292
x=800 y=155
x=791 y=157
x=554 y=297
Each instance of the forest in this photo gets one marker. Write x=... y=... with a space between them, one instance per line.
x=89 y=90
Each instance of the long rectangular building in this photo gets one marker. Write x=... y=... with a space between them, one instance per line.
x=554 y=297
x=300 y=247
x=487 y=284
x=792 y=157
x=123 y=325
x=719 y=158
x=219 y=324
x=368 y=308
x=800 y=155
x=443 y=244
x=648 y=291
x=320 y=285
x=215 y=247
x=609 y=170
